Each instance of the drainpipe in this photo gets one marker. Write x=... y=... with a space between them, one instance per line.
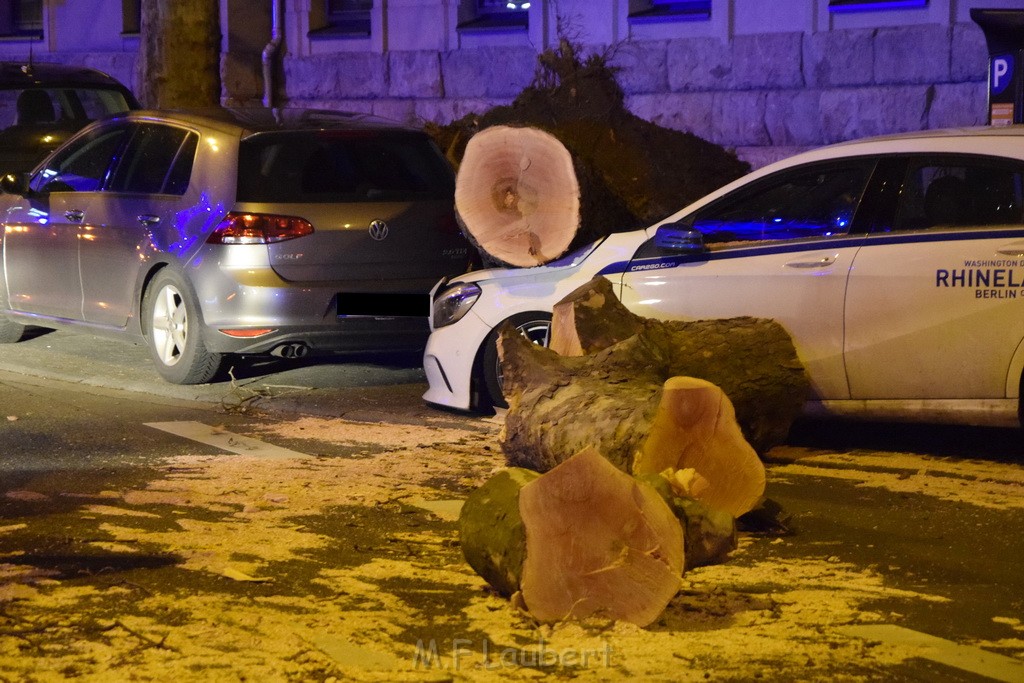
x=270 y=52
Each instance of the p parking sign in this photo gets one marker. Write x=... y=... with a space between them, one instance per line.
x=1000 y=73
x=1004 y=34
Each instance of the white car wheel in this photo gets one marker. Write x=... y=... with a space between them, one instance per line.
x=535 y=326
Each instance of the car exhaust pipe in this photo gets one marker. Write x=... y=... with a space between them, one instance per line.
x=290 y=350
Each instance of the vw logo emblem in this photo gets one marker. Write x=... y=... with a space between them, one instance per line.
x=378 y=230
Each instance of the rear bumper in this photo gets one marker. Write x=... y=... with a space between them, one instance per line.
x=344 y=335
x=251 y=296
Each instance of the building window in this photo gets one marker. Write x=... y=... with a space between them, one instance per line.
x=641 y=11
x=345 y=18
x=494 y=14
x=131 y=16
x=873 y=5
x=21 y=18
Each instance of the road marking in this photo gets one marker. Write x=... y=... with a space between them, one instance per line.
x=219 y=438
x=963 y=657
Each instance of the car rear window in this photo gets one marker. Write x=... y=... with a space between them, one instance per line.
x=58 y=105
x=342 y=166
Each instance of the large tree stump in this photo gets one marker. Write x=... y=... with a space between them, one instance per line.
x=582 y=540
x=558 y=404
x=516 y=195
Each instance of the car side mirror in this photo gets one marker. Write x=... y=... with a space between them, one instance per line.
x=680 y=238
x=16 y=183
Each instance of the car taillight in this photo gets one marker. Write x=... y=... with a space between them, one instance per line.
x=258 y=228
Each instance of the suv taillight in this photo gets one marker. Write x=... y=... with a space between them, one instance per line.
x=258 y=228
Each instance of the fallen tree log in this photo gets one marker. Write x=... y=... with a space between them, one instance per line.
x=582 y=540
x=559 y=404
x=493 y=536
x=517 y=197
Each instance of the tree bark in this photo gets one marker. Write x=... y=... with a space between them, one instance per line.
x=516 y=195
x=558 y=405
x=180 y=53
x=491 y=531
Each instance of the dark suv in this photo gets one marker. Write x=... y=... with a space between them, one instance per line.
x=42 y=105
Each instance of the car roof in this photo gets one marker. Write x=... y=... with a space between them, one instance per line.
x=247 y=121
x=1008 y=139
x=43 y=74
x=997 y=141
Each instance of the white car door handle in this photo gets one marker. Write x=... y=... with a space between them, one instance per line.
x=149 y=219
x=816 y=263
x=1011 y=250
x=74 y=215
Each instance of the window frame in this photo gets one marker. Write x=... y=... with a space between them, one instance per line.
x=947 y=159
x=657 y=11
x=131 y=17
x=761 y=185
x=853 y=6
x=345 y=23
x=475 y=15
x=13 y=26
x=125 y=164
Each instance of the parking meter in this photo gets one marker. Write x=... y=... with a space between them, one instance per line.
x=1004 y=34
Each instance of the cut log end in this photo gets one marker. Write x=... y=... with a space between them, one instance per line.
x=694 y=428
x=599 y=543
x=517 y=195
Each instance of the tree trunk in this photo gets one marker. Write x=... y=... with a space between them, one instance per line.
x=607 y=398
x=180 y=53
x=516 y=195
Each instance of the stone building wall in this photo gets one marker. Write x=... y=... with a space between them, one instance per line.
x=765 y=78
x=766 y=95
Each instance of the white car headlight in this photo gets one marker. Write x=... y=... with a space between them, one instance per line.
x=453 y=303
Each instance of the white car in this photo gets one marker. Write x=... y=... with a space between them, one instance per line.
x=896 y=264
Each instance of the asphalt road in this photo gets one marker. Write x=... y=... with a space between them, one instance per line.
x=73 y=409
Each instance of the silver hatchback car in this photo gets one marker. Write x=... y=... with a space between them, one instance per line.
x=232 y=232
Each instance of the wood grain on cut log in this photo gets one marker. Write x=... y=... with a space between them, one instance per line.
x=517 y=196
x=694 y=432
x=556 y=403
x=598 y=543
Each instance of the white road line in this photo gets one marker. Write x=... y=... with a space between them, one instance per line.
x=963 y=657
x=218 y=438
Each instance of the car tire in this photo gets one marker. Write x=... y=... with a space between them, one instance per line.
x=535 y=326
x=10 y=331
x=174 y=331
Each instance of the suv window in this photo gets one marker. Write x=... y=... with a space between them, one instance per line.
x=342 y=166
x=36 y=106
x=802 y=202
x=148 y=161
x=960 y=193
x=83 y=166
